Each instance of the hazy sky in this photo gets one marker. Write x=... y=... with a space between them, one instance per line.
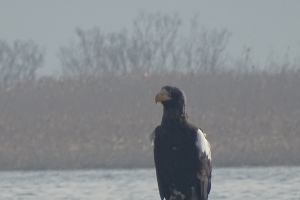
x=263 y=25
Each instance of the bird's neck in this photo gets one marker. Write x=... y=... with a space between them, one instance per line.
x=174 y=115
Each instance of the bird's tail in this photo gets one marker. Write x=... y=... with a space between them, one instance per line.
x=204 y=176
x=204 y=184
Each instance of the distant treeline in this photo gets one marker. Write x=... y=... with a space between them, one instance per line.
x=250 y=119
x=156 y=43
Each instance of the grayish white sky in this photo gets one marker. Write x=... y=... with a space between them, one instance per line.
x=263 y=25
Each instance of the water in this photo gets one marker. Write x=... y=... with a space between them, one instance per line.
x=228 y=183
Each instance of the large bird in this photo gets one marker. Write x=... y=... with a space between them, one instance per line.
x=182 y=154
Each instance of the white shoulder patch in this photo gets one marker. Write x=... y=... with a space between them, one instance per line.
x=202 y=143
x=151 y=138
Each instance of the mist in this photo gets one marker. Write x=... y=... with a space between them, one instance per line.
x=77 y=85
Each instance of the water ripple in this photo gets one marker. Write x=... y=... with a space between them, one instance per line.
x=228 y=183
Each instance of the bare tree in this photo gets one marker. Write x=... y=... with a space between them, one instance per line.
x=116 y=52
x=95 y=54
x=21 y=61
x=204 y=49
x=85 y=57
x=154 y=41
x=155 y=45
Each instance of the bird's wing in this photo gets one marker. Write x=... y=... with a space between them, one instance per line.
x=162 y=186
x=205 y=168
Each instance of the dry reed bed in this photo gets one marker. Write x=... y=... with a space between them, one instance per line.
x=250 y=119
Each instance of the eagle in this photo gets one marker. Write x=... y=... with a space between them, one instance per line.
x=182 y=154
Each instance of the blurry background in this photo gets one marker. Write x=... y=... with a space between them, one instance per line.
x=78 y=80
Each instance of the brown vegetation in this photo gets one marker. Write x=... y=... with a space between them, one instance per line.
x=250 y=119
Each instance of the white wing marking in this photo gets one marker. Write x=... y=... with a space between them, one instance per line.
x=177 y=193
x=202 y=143
x=151 y=138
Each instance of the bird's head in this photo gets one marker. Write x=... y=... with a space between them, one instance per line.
x=171 y=97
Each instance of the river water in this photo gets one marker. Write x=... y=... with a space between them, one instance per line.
x=228 y=183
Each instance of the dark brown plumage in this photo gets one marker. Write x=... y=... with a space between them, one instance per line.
x=181 y=152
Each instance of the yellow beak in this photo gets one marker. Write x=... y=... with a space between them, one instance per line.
x=162 y=96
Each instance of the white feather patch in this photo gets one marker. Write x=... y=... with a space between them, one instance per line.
x=151 y=138
x=202 y=143
x=177 y=193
